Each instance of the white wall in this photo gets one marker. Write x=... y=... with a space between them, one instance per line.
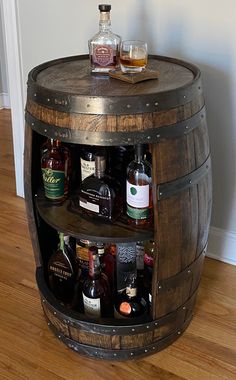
x=203 y=32
x=4 y=96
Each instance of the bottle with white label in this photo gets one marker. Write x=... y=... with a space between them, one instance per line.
x=96 y=291
x=139 y=206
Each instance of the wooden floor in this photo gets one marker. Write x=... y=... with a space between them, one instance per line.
x=28 y=350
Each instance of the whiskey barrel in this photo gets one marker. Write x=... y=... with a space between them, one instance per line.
x=66 y=102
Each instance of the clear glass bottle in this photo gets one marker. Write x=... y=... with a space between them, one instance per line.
x=100 y=194
x=104 y=47
x=96 y=291
x=128 y=304
x=56 y=167
x=139 y=207
x=62 y=271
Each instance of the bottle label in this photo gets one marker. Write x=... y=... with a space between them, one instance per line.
x=125 y=308
x=60 y=270
x=87 y=168
x=98 y=204
x=136 y=213
x=103 y=55
x=137 y=196
x=54 y=181
x=92 y=307
x=148 y=260
x=83 y=256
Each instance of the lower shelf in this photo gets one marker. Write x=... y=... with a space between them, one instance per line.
x=113 y=339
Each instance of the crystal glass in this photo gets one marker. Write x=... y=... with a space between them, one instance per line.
x=133 y=56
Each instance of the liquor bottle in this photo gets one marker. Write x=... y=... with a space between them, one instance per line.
x=87 y=161
x=149 y=256
x=99 y=194
x=140 y=267
x=104 y=47
x=109 y=266
x=56 y=166
x=138 y=190
x=62 y=271
x=128 y=304
x=96 y=292
x=125 y=264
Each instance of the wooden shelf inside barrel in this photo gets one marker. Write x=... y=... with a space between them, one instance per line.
x=63 y=218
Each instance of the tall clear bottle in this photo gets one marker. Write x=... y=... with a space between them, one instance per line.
x=139 y=207
x=104 y=47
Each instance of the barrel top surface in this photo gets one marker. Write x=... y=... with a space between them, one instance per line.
x=72 y=76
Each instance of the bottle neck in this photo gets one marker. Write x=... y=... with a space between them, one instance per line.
x=100 y=166
x=104 y=22
x=55 y=143
x=61 y=243
x=138 y=153
x=94 y=263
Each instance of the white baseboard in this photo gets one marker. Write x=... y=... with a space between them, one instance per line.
x=4 y=100
x=222 y=245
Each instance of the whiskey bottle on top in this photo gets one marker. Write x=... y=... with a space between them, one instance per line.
x=104 y=47
x=96 y=291
x=62 y=271
x=56 y=167
x=139 y=190
x=100 y=194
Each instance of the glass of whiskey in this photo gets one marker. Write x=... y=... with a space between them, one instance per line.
x=133 y=56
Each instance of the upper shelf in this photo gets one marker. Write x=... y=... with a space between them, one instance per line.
x=64 y=219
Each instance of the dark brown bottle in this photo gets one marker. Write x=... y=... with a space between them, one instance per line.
x=100 y=194
x=96 y=291
x=56 y=167
x=128 y=304
x=107 y=258
x=62 y=271
x=149 y=256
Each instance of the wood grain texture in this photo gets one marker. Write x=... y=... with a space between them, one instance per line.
x=29 y=351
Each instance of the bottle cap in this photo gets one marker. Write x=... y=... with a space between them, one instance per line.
x=104 y=7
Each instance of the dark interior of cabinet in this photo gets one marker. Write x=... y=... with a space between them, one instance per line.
x=51 y=218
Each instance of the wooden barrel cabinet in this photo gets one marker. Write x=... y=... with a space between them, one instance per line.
x=66 y=102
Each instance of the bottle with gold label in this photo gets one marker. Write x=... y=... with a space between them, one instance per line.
x=104 y=47
x=55 y=166
x=62 y=271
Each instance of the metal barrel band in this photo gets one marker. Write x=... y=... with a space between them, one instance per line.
x=168 y=189
x=66 y=319
x=123 y=354
x=178 y=279
x=111 y=105
x=154 y=135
